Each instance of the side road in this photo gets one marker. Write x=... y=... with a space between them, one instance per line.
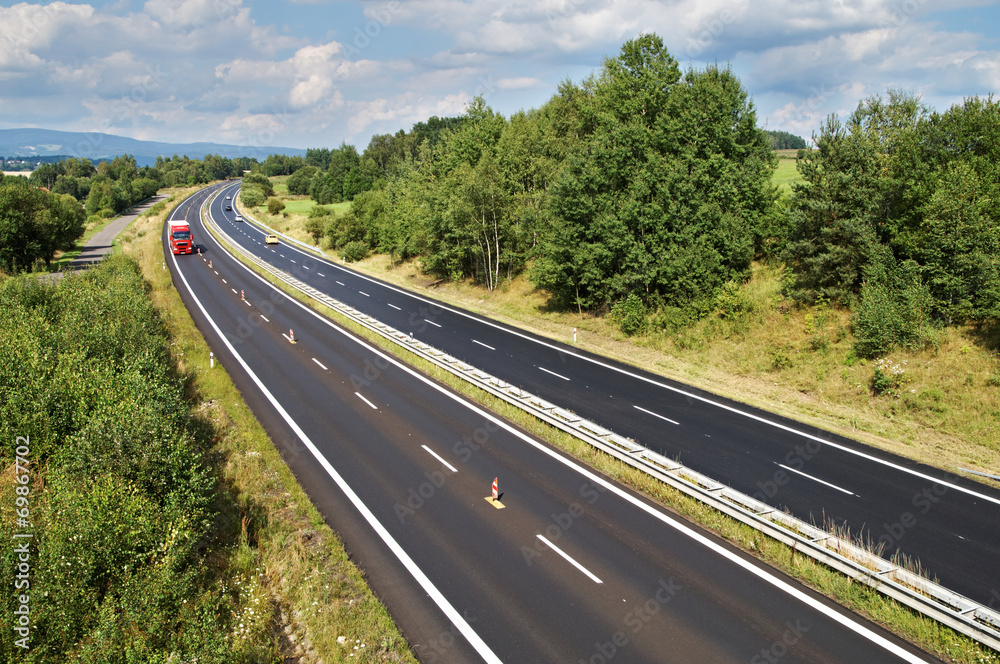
x=100 y=245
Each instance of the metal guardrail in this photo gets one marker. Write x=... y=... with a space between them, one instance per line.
x=962 y=614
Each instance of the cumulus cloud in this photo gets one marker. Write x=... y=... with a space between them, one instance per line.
x=321 y=71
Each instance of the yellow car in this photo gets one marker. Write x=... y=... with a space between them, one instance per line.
x=271 y=239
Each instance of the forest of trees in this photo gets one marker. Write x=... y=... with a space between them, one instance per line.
x=782 y=140
x=898 y=218
x=641 y=183
x=646 y=192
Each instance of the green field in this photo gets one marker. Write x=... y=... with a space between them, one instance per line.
x=786 y=174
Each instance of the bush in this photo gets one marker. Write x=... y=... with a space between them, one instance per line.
x=252 y=196
x=888 y=377
x=123 y=500
x=315 y=226
x=893 y=310
x=274 y=205
x=260 y=182
x=630 y=314
x=354 y=251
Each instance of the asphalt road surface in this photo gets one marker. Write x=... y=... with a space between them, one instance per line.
x=572 y=568
x=948 y=523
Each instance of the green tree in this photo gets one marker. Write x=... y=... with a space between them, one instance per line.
x=960 y=247
x=274 y=205
x=667 y=194
x=34 y=224
x=252 y=196
x=259 y=181
x=298 y=182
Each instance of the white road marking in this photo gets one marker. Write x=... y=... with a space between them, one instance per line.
x=341 y=283
x=366 y=401
x=364 y=293
x=438 y=457
x=816 y=479
x=570 y=560
x=248 y=303
x=483 y=345
x=223 y=281
x=286 y=337
x=649 y=412
x=321 y=274
x=553 y=373
x=431 y=322
x=265 y=319
x=291 y=259
x=395 y=307
x=320 y=364
x=233 y=289
x=216 y=272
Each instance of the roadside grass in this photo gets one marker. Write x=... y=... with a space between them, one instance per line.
x=292 y=568
x=912 y=626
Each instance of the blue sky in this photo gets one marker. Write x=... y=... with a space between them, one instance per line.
x=313 y=73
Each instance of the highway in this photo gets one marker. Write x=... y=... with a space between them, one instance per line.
x=572 y=568
x=946 y=522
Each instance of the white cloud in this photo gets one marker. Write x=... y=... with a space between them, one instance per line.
x=191 y=13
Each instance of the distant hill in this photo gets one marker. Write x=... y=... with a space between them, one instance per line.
x=96 y=146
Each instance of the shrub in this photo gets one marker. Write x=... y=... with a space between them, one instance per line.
x=893 y=311
x=252 y=196
x=630 y=314
x=888 y=377
x=274 y=205
x=354 y=251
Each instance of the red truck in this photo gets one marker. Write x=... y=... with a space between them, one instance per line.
x=181 y=239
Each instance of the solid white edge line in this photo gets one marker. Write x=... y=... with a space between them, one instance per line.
x=483 y=345
x=756 y=569
x=572 y=562
x=360 y=396
x=438 y=598
x=649 y=412
x=438 y=457
x=816 y=479
x=732 y=409
x=320 y=364
x=553 y=373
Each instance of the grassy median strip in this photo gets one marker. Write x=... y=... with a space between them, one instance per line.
x=315 y=603
x=908 y=624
